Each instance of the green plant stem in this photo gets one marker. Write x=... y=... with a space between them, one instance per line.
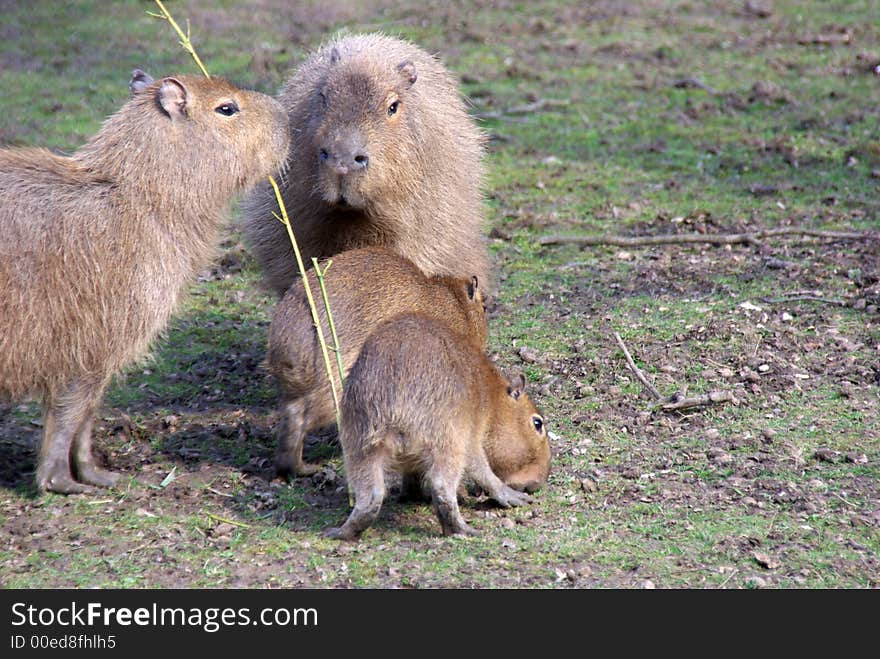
x=314 y=309
x=320 y=275
x=184 y=38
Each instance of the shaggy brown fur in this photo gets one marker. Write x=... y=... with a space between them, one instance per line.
x=420 y=400
x=383 y=152
x=365 y=287
x=97 y=248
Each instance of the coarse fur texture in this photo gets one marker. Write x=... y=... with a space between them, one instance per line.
x=383 y=152
x=365 y=287
x=98 y=247
x=421 y=401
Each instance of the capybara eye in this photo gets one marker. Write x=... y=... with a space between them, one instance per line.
x=226 y=109
x=392 y=109
x=323 y=154
x=538 y=422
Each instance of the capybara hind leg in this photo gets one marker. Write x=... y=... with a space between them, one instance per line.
x=366 y=477
x=84 y=465
x=288 y=456
x=483 y=475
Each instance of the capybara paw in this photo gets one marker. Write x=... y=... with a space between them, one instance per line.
x=307 y=469
x=93 y=475
x=461 y=529
x=62 y=483
x=509 y=497
x=340 y=533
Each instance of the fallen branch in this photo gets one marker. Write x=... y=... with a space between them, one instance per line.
x=802 y=298
x=635 y=369
x=751 y=237
x=694 y=83
x=677 y=403
x=528 y=108
x=226 y=520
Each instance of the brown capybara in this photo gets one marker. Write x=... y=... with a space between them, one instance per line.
x=365 y=287
x=98 y=247
x=420 y=400
x=383 y=152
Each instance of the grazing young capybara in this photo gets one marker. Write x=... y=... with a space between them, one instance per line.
x=98 y=247
x=383 y=152
x=365 y=287
x=420 y=400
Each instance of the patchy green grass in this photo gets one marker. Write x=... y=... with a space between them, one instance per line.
x=611 y=118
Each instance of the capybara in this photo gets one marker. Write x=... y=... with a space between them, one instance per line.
x=419 y=400
x=383 y=152
x=98 y=247
x=365 y=287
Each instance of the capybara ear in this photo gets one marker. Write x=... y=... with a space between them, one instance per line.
x=172 y=97
x=473 y=287
x=334 y=56
x=140 y=80
x=516 y=386
x=408 y=71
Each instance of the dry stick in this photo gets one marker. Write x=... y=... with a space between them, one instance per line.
x=184 y=38
x=635 y=369
x=719 y=238
x=225 y=520
x=302 y=268
x=529 y=108
x=320 y=274
x=801 y=298
x=698 y=401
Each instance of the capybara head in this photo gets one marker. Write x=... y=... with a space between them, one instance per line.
x=517 y=447
x=196 y=120
x=363 y=129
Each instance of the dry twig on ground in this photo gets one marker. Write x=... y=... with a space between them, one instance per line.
x=751 y=237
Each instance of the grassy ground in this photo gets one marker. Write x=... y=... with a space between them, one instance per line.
x=647 y=118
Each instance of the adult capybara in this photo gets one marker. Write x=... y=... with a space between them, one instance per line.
x=420 y=400
x=383 y=152
x=365 y=287
x=98 y=247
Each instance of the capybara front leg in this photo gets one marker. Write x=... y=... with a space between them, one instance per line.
x=292 y=433
x=444 y=477
x=483 y=475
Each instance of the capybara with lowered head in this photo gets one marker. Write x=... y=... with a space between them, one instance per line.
x=365 y=287
x=383 y=152
x=419 y=400
x=97 y=248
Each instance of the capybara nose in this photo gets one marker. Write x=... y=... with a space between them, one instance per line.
x=361 y=161
x=342 y=164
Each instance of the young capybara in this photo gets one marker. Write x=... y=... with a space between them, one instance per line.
x=365 y=287
x=98 y=247
x=383 y=152
x=420 y=400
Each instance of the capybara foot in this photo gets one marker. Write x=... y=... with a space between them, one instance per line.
x=507 y=497
x=307 y=469
x=62 y=483
x=289 y=469
x=460 y=529
x=93 y=475
x=341 y=533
